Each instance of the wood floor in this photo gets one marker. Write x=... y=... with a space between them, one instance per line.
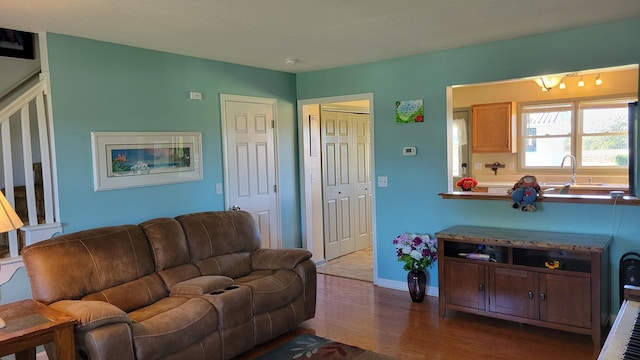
x=356 y=265
x=386 y=321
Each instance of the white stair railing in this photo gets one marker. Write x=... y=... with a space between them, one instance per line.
x=17 y=113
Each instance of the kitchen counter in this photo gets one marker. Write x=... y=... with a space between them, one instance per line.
x=527 y=238
x=501 y=187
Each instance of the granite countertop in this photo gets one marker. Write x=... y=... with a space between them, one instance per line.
x=526 y=238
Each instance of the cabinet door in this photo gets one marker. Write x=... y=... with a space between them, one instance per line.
x=565 y=299
x=493 y=128
x=465 y=284
x=513 y=292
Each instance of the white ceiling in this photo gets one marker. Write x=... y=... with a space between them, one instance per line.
x=320 y=34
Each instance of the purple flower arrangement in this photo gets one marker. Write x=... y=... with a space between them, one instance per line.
x=417 y=251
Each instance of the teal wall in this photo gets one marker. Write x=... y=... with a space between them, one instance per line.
x=410 y=202
x=98 y=86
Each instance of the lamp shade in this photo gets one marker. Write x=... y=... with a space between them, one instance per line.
x=9 y=220
x=548 y=82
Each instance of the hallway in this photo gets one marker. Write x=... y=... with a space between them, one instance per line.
x=357 y=265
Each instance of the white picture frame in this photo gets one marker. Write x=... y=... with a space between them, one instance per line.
x=135 y=159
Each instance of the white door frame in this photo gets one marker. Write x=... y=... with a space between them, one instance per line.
x=309 y=240
x=255 y=100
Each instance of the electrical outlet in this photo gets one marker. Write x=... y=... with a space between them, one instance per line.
x=511 y=166
x=477 y=166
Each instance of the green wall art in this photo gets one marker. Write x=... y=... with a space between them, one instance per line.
x=408 y=111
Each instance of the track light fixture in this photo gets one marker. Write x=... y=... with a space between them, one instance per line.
x=548 y=82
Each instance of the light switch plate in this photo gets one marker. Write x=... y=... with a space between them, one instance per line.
x=382 y=181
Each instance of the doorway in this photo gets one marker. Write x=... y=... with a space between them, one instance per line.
x=311 y=170
x=346 y=195
x=250 y=167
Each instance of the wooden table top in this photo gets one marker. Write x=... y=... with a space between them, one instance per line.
x=28 y=317
x=527 y=238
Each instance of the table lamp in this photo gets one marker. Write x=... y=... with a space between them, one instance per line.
x=9 y=220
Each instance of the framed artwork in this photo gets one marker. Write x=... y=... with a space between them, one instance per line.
x=408 y=111
x=18 y=44
x=134 y=159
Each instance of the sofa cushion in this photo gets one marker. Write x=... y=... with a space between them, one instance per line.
x=170 y=250
x=201 y=285
x=232 y=265
x=171 y=324
x=134 y=294
x=272 y=289
x=74 y=265
x=168 y=243
x=217 y=233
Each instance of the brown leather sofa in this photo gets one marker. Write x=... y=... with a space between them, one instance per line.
x=197 y=286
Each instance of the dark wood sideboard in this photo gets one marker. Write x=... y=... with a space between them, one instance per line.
x=511 y=281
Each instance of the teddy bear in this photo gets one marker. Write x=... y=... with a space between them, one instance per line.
x=526 y=191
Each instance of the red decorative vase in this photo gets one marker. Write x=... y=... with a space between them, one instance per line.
x=417 y=283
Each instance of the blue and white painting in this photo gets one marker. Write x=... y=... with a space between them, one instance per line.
x=134 y=160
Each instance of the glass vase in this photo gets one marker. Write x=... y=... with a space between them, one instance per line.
x=417 y=283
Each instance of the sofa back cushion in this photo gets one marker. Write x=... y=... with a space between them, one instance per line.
x=74 y=265
x=170 y=250
x=221 y=242
x=132 y=295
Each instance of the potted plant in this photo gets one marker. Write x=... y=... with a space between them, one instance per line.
x=417 y=251
x=467 y=184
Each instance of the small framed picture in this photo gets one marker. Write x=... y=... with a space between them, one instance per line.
x=409 y=111
x=18 y=44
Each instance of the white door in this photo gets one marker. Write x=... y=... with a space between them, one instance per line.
x=346 y=188
x=250 y=165
x=362 y=181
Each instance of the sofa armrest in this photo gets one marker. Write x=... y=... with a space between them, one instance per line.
x=91 y=314
x=273 y=259
x=200 y=285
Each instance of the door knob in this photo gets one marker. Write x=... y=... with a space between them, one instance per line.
x=235 y=208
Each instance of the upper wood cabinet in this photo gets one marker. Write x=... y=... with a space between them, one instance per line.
x=493 y=128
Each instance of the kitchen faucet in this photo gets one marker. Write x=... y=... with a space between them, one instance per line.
x=573 y=166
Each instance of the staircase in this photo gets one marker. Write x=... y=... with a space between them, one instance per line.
x=26 y=174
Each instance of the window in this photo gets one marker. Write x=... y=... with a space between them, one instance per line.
x=460 y=154
x=594 y=131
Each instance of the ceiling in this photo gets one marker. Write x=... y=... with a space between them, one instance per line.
x=318 y=34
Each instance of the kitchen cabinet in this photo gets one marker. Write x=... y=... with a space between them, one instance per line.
x=511 y=281
x=493 y=128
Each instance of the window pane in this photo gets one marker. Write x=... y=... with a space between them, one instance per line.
x=456 y=150
x=607 y=150
x=605 y=120
x=548 y=123
x=546 y=151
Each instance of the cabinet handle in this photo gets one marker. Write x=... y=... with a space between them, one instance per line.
x=542 y=297
x=530 y=294
x=481 y=287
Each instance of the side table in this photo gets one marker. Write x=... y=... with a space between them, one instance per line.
x=29 y=324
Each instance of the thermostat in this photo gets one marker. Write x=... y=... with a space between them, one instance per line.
x=409 y=151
